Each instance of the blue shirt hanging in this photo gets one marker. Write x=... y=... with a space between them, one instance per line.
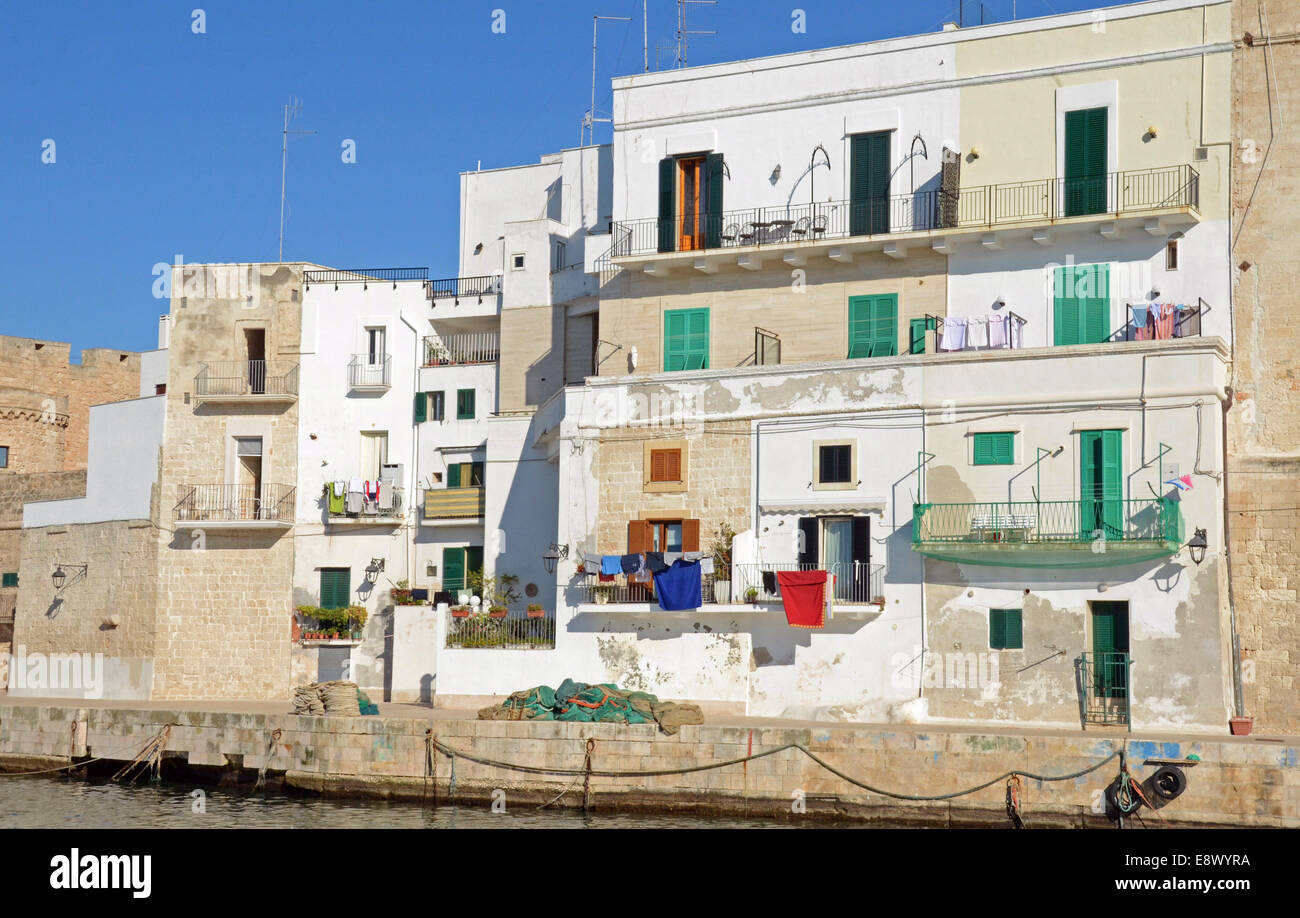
x=609 y=565
x=678 y=588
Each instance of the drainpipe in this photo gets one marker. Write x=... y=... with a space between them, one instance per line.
x=1238 y=696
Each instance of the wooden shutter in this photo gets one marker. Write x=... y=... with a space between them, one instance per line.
x=453 y=475
x=640 y=536
x=862 y=540
x=808 y=528
x=873 y=325
x=667 y=204
x=453 y=570
x=665 y=465
x=674 y=340
x=335 y=587
x=1085 y=161
x=1095 y=318
x=1012 y=625
x=995 y=448
x=1067 y=328
x=473 y=560
x=916 y=333
x=713 y=200
x=869 y=183
x=997 y=629
x=691 y=535
x=464 y=404
x=420 y=408
x=686 y=339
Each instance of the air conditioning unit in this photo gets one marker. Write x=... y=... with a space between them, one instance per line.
x=393 y=471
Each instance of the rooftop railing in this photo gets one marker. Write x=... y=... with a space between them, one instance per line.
x=364 y=275
x=973 y=207
x=454 y=288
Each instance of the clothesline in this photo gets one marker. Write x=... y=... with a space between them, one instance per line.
x=358 y=495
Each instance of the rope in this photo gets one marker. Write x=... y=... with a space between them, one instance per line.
x=1013 y=801
x=587 y=771
x=266 y=761
x=147 y=759
x=430 y=767
x=71 y=765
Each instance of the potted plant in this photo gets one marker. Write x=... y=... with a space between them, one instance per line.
x=498 y=612
x=460 y=611
x=536 y=611
x=602 y=593
x=751 y=595
x=721 y=551
x=498 y=591
x=401 y=592
x=878 y=601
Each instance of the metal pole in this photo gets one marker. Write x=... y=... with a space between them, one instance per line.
x=284 y=165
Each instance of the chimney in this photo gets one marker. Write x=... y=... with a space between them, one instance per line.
x=164 y=332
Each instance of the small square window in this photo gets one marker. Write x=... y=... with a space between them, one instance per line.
x=517 y=262
x=665 y=465
x=1005 y=629
x=1171 y=255
x=160 y=388
x=9 y=579
x=835 y=464
x=995 y=448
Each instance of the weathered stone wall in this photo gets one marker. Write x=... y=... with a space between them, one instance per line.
x=225 y=595
x=104 y=375
x=717 y=492
x=1264 y=424
x=1238 y=782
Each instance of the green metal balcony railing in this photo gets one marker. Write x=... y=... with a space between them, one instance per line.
x=1102 y=530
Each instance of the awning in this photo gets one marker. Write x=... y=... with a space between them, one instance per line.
x=825 y=506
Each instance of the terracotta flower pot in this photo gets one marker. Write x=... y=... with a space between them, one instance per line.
x=1241 y=726
x=537 y=613
x=498 y=613
x=460 y=613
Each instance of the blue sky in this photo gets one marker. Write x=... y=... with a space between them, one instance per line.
x=167 y=142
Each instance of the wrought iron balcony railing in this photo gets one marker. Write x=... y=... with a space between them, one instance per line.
x=855 y=582
x=463 y=348
x=517 y=631
x=1084 y=520
x=454 y=288
x=363 y=275
x=223 y=503
x=267 y=379
x=972 y=207
x=367 y=373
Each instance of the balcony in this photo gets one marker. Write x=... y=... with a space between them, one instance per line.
x=363 y=276
x=856 y=583
x=927 y=216
x=246 y=381
x=517 y=631
x=1150 y=323
x=1049 y=534
x=457 y=288
x=387 y=508
x=462 y=349
x=367 y=374
x=236 y=506
x=454 y=506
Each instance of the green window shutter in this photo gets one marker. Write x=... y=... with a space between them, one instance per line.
x=1096 y=313
x=995 y=448
x=873 y=325
x=1081 y=304
x=473 y=561
x=335 y=587
x=1101 y=484
x=1085 y=162
x=667 y=204
x=420 y=408
x=997 y=630
x=464 y=404
x=869 y=183
x=916 y=334
x=714 y=177
x=453 y=475
x=10 y=580
x=686 y=339
x=453 y=570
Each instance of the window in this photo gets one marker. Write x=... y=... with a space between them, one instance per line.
x=686 y=339
x=517 y=262
x=665 y=465
x=842 y=545
x=1005 y=629
x=248 y=446
x=437 y=405
x=464 y=404
x=421 y=407
x=561 y=256
x=335 y=587
x=663 y=535
x=1171 y=255
x=9 y=580
x=160 y=388
x=465 y=475
x=375 y=353
x=873 y=325
x=995 y=448
x=4 y=457
x=1081 y=304
x=835 y=464
x=869 y=169
x=690 y=202
x=1085 y=162
x=374 y=453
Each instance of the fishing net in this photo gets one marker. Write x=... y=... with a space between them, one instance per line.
x=593 y=703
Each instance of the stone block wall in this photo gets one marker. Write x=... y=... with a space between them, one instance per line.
x=1264 y=423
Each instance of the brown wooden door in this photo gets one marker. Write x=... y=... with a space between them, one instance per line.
x=690 y=185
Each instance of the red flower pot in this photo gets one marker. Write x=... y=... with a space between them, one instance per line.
x=498 y=613
x=1241 y=726
x=537 y=613
x=460 y=613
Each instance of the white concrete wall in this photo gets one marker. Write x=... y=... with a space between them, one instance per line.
x=153 y=371
x=121 y=471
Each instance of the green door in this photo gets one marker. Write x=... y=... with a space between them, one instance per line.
x=1110 y=649
x=1101 y=488
x=873 y=325
x=1085 y=162
x=869 y=183
x=1081 y=304
x=453 y=570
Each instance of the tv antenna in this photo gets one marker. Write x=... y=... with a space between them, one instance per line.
x=291 y=111
x=683 y=33
x=589 y=122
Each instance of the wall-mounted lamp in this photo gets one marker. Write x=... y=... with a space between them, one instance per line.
x=974 y=152
x=999 y=302
x=60 y=576
x=553 y=555
x=1196 y=546
x=1151 y=129
x=776 y=174
x=373 y=568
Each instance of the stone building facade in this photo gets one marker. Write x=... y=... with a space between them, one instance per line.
x=1263 y=427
